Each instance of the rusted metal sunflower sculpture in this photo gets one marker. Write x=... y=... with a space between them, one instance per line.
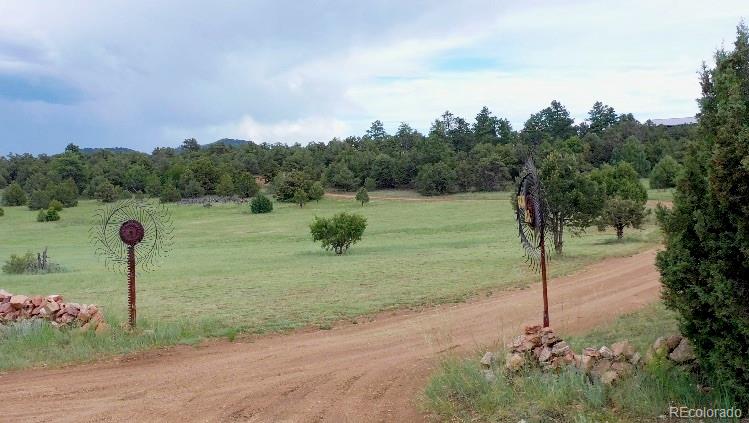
x=130 y=233
x=529 y=212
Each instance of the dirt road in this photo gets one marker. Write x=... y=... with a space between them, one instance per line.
x=367 y=372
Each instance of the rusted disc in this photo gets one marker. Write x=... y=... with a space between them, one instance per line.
x=131 y=232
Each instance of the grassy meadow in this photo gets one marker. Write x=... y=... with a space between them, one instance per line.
x=234 y=272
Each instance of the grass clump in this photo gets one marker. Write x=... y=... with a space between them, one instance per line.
x=459 y=390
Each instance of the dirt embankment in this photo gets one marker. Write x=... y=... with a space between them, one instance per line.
x=366 y=372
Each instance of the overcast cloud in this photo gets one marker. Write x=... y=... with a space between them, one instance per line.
x=142 y=74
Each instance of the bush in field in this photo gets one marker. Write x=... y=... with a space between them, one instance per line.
x=225 y=185
x=14 y=195
x=705 y=266
x=261 y=204
x=362 y=196
x=49 y=215
x=339 y=232
x=2 y=212
x=55 y=205
x=17 y=265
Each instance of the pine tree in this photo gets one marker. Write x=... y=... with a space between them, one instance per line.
x=705 y=266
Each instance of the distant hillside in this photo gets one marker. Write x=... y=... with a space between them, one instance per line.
x=229 y=142
x=92 y=150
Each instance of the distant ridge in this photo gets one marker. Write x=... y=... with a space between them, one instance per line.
x=229 y=142
x=117 y=150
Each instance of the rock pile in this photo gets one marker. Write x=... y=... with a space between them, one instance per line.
x=675 y=348
x=52 y=308
x=542 y=347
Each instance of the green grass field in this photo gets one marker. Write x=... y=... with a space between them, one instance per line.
x=231 y=271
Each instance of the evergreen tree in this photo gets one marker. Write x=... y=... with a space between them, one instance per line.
x=14 y=195
x=225 y=185
x=664 y=173
x=362 y=196
x=705 y=266
x=316 y=191
x=300 y=197
x=601 y=116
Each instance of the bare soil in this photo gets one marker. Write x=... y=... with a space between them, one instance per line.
x=373 y=371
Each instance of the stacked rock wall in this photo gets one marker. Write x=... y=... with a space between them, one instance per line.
x=52 y=308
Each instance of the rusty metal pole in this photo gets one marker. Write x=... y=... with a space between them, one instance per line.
x=131 y=285
x=543 y=280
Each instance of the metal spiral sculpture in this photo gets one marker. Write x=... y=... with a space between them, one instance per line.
x=132 y=232
x=529 y=212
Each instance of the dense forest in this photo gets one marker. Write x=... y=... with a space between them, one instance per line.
x=456 y=155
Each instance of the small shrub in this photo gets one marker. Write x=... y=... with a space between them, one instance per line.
x=55 y=205
x=49 y=215
x=17 y=265
x=2 y=212
x=52 y=215
x=261 y=204
x=339 y=232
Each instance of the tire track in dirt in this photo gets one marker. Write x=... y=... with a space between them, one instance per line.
x=372 y=371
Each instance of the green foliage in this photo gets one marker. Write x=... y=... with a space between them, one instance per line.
x=573 y=199
x=705 y=266
x=436 y=179
x=491 y=174
x=49 y=215
x=55 y=205
x=633 y=152
x=169 y=193
x=621 y=213
x=261 y=204
x=340 y=176
x=362 y=196
x=339 y=232
x=245 y=185
x=664 y=173
x=601 y=117
x=287 y=184
x=2 y=212
x=225 y=186
x=106 y=192
x=14 y=195
x=65 y=192
x=625 y=197
x=551 y=123
x=41 y=216
x=39 y=199
x=316 y=191
x=17 y=265
x=193 y=189
x=369 y=184
x=300 y=197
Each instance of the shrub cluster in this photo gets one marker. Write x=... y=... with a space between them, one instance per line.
x=261 y=204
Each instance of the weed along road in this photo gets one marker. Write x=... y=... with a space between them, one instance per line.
x=371 y=371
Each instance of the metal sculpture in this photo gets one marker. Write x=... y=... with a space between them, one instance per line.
x=529 y=211
x=132 y=232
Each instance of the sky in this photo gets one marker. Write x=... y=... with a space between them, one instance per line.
x=142 y=74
